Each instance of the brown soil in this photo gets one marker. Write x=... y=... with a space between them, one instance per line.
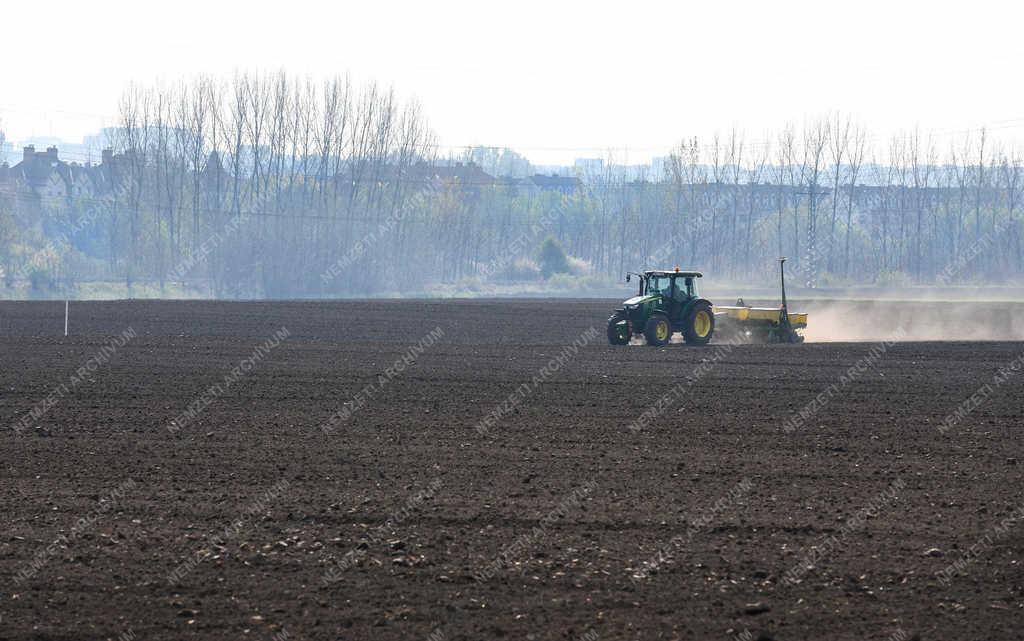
x=600 y=530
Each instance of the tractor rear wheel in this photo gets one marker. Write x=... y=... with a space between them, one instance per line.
x=617 y=335
x=700 y=325
x=658 y=330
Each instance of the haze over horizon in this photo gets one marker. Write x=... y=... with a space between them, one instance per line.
x=552 y=81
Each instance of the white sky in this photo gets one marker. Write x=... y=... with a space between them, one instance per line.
x=555 y=80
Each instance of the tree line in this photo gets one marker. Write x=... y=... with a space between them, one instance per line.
x=273 y=186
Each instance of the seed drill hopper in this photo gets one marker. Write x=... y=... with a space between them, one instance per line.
x=762 y=324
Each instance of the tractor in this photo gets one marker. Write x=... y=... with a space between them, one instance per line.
x=668 y=302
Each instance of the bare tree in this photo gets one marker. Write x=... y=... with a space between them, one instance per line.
x=783 y=174
x=734 y=169
x=135 y=115
x=718 y=163
x=979 y=185
x=839 y=144
x=1012 y=179
x=858 y=147
x=959 y=162
x=922 y=162
x=815 y=139
x=754 y=202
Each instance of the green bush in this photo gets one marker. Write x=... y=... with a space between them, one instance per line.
x=552 y=258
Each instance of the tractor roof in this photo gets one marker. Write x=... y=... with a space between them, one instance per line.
x=672 y=272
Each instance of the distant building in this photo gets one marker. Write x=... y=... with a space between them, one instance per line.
x=553 y=170
x=589 y=168
x=106 y=138
x=629 y=172
x=81 y=153
x=42 y=175
x=659 y=168
x=565 y=184
x=42 y=179
x=7 y=153
x=213 y=174
x=5 y=173
x=461 y=173
x=466 y=176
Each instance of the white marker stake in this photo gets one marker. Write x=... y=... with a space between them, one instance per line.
x=65 y=318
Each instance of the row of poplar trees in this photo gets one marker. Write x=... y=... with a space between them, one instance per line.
x=274 y=186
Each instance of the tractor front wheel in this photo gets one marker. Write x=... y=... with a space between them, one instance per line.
x=700 y=325
x=658 y=330
x=618 y=334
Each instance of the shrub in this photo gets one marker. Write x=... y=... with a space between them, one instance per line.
x=552 y=258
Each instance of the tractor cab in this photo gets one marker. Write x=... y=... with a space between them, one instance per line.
x=667 y=301
x=677 y=285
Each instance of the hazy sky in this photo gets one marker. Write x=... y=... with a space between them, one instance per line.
x=556 y=80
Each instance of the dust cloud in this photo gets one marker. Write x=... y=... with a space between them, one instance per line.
x=878 y=320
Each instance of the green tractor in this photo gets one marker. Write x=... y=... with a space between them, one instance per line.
x=668 y=302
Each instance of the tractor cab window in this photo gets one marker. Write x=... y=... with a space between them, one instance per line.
x=690 y=287
x=659 y=285
x=682 y=289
